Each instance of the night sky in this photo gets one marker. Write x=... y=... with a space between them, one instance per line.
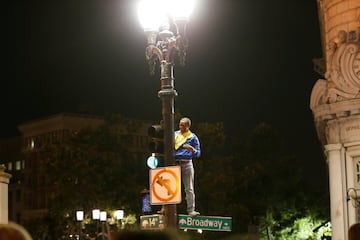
x=249 y=61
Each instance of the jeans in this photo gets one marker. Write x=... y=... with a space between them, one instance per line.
x=187 y=175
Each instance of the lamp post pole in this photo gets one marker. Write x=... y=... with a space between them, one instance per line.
x=167 y=95
x=80 y=218
x=119 y=215
x=163 y=46
x=103 y=217
x=96 y=217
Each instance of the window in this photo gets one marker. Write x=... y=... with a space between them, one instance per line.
x=357 y=202
x=357 y=184
x=18 y=165
x=18 y=195
x=357 y=171
x=32 y=143
x=9 y=166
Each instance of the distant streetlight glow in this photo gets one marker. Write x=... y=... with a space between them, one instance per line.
x=119 y=214
x=79 y=215
x=103 y=216
x=96 y=214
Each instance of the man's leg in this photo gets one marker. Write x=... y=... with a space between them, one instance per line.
x=188 y=181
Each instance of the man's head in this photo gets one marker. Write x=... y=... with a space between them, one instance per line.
x=184 y=124
x=13 y=231
x=354 y=231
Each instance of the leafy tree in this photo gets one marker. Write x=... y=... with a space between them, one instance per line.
x=254 y=180
x=94 y=168
x=269 y=183
x=260 y=183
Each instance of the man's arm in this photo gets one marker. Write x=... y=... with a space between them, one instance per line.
x=194 y=146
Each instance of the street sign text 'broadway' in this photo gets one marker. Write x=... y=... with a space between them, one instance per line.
x=205 y=223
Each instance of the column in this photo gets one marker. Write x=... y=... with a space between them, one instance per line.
x=4 y=182
x=336 y=174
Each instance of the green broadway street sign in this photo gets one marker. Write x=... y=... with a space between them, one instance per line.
x=152 y=222
x=209 y=223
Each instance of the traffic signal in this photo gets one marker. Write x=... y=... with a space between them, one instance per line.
x=156 y=145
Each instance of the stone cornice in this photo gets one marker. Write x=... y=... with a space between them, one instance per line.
x=336 y=110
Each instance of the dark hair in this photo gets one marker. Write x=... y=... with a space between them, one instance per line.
x=145 y=235
x=354 y=232
x=13 y=231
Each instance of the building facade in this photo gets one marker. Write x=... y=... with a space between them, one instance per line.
x=335 y=103
x=23 y=158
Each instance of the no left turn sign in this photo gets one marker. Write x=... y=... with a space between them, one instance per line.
x=165 y=185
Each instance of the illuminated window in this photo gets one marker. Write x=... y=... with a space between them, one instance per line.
x=30 y=143
x=18 y=165
x=9 y=166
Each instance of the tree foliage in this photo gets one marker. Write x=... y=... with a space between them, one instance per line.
x=94 y=168
x=254 y=179
x=258 y=179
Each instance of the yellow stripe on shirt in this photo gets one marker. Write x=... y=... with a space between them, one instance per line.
x=181 y=138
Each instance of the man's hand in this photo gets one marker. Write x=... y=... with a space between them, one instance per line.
x=189 y=147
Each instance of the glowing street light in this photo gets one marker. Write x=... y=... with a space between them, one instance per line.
x=96 y=214
x=80 y=215
x=181 y=9
x=119 y=214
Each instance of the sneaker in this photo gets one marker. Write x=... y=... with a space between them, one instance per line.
x=194 y=213
x=162 y=211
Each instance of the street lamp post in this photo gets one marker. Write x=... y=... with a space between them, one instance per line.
x=103 y=217
x=157 y=18
x=119 y=215
x=96 y=217
x=80 y=218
